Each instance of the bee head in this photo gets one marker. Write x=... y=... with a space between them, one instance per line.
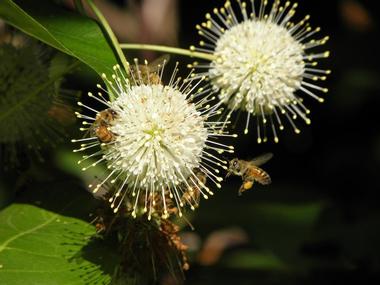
x=107 y=116
x=234 y=167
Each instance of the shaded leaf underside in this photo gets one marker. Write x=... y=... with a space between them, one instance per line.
x=66 y=31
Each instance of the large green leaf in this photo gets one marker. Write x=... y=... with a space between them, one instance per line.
x=40 y=246
x=66 y=31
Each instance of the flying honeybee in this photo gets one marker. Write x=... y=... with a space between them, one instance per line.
x=103 y=121
x=192 y=194
x=149 y=73
x=250 y=171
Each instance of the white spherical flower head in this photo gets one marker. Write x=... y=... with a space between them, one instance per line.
x=257 y=71
x=160 y=136
x=157 y=143
x=261 y=61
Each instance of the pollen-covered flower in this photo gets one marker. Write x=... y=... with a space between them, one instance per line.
x=158 y=144
x=261 y=58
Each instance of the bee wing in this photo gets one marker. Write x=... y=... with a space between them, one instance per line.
x=261 y=159
x=158 y=62
x=90 y=132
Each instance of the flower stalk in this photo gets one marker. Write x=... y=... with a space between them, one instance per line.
x=167 y=49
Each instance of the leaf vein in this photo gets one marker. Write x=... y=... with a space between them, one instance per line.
x=31 y=230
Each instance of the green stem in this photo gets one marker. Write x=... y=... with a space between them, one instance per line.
x=168 y=49
x=109 y=32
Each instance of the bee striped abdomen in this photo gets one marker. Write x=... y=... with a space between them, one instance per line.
x=103 y=134
x=259 y=175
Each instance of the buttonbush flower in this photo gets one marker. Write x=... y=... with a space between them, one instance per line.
x=262 y=59
x=158 y=141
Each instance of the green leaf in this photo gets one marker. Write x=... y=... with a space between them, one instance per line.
x=39 y=246
x=76 y=35
x=109 y=32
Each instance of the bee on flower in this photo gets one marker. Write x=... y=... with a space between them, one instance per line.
x=262 y=63
x=154 y=139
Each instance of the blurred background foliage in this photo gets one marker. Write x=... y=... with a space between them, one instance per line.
x=319 y=221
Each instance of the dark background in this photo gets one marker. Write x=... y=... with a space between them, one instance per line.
x=334 y=163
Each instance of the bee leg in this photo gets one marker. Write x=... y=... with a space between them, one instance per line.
x=247 y=184
x=241 y=190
